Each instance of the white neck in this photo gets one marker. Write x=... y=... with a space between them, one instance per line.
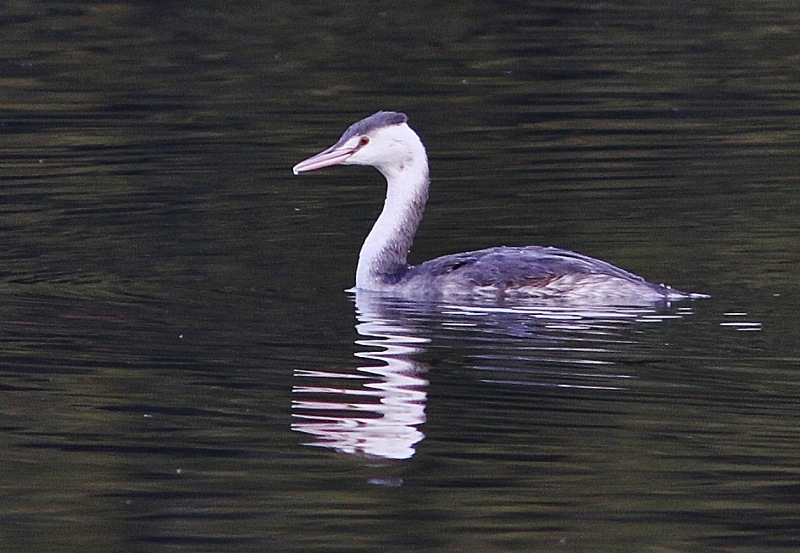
x=385 y=250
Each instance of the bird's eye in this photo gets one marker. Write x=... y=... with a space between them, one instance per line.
x=364 y=141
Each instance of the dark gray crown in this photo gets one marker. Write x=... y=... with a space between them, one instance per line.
x=374 y=121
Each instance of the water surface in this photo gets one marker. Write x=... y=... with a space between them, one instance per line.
x=181 y=369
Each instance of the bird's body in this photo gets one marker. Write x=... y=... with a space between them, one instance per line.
x=535 y=272
x=386 y=142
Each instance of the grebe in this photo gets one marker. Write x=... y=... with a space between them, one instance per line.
x=385 y=141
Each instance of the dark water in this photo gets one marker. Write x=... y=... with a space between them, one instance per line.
x=181 y=369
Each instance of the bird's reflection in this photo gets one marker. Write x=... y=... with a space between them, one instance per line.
x=377 y=409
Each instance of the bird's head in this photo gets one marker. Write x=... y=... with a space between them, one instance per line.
x=383 y=140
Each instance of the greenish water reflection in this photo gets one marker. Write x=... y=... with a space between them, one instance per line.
x=165 y=278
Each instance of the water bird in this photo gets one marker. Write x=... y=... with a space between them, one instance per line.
x=386 y=142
